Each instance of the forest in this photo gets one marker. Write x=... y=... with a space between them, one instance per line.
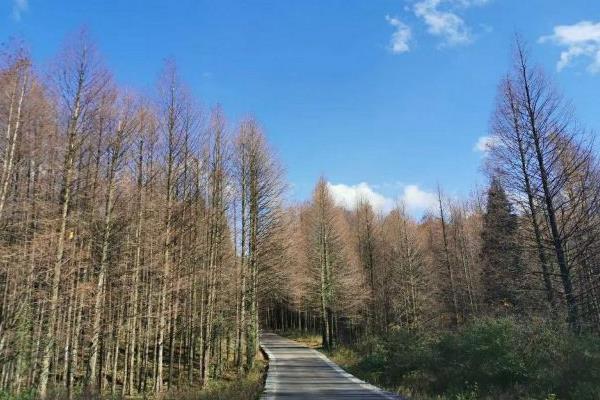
x=147 y=240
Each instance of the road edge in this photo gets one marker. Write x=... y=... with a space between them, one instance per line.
x=270 y=385
x=346 y=374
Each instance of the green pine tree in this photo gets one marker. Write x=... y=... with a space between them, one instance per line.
x=500 y=253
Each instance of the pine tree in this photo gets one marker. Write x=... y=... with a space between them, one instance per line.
x=500 y=253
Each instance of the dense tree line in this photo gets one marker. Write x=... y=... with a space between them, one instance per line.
x=527 y=246
x=133 y=230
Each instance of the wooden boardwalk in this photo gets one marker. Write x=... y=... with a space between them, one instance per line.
x=298 y=372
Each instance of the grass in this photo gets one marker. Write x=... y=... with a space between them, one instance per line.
x=308 y=339
x=486 y=359
x=230 y=387
x=249 y=387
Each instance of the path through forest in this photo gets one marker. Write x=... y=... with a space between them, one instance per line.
x=298 y=372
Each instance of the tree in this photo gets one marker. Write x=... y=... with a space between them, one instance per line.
x=259 y=178
x=17 y=74
x=368 y=253
x=336 y=282
x=122 y=125
x=453 y=293
x=534 y=125
x=500 y=252
x=545 y=118
x=511 y=144
x=80 y=79
x=406 y=281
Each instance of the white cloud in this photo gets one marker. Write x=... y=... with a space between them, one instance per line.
x=579 y=40
x=417 y=200
x=443 y=19
x=347 y=196
x=414 y=198
x=444 y=23
x=400 y=41
x=19 y=7
x=484 y=144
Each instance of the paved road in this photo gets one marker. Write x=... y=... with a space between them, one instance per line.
x=298 y=372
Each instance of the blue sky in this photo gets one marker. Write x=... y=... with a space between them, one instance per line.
x=386 y=98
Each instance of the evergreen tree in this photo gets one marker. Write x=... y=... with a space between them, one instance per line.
x=500 y=252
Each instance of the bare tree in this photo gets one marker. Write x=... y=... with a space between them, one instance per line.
x=79 y=80
x=260 y=190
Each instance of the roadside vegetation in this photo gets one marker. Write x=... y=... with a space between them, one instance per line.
x=485 y=359
x=231 y=386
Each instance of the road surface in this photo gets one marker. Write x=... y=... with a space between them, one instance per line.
x=298 y=372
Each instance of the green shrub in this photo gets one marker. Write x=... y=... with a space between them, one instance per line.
x=409 y=357
x=487 y=358
x=247 y=387
x=27 y=395
x=375 y=362
x=484 y=353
